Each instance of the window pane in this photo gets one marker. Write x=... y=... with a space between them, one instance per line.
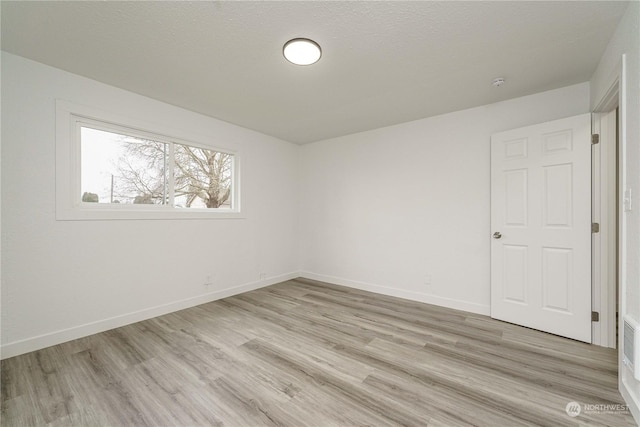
x=117 y=168
x=202 y=178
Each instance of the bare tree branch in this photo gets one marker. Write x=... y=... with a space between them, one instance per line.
x=198 y=173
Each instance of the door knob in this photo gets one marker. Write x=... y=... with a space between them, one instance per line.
x=497 y=235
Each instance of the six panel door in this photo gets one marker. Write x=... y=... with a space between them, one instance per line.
x=541 y=227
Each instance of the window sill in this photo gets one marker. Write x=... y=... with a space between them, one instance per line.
x=103 y=213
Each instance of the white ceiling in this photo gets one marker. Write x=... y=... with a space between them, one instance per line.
x=383 y=62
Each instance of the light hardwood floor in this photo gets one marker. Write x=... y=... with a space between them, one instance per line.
x=304 y=353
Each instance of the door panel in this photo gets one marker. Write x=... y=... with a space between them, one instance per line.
x=515 y=273
x=516 y=197
x=557 y=196
x=557 y=266
x=541 y=208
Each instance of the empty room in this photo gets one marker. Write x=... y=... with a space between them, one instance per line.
x=320 y=213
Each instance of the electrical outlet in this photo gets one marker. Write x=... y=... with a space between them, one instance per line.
x=208 y=281
x=427 y=279
x=263 y=276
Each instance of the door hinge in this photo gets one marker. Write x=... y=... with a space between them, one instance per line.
x=595 y=227
x=595 y=316
x=595 y=139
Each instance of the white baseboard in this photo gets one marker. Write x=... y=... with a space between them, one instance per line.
x=46 y=340
x=394 y=292
x=630 y=400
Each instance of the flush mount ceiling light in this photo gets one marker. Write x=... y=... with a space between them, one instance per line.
x=302 y=51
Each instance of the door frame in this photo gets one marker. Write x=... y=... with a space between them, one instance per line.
x=603 y=243
x=604 y=298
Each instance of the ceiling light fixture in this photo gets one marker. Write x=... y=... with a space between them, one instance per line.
x=302 y=51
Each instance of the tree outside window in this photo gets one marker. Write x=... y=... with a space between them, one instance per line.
x=120 y=168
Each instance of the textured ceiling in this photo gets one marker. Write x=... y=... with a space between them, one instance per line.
x=383 y=62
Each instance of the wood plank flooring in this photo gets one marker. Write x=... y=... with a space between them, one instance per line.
x=304 y=353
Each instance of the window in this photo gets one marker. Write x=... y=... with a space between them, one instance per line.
x=120 y=172
x=118 y=167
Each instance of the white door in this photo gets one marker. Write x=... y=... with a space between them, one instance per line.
x=541 y=225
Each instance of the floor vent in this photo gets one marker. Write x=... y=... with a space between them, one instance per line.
x=629 y=346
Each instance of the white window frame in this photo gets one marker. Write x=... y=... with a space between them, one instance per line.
x=69 y=205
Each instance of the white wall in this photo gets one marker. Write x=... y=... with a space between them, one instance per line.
x=381 y=210
x=64 y=279
x=626 y=41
